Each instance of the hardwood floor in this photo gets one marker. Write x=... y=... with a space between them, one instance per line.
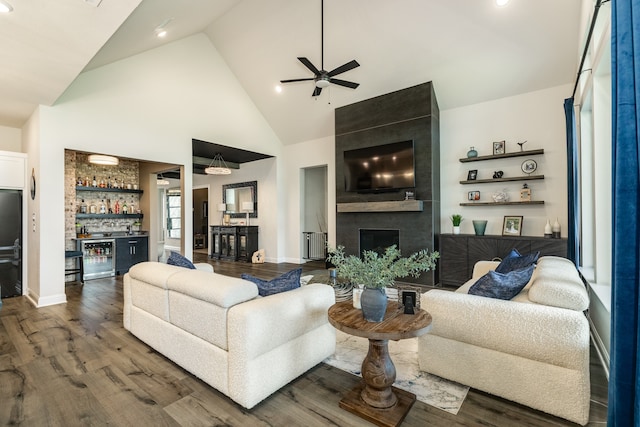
x=74 y=364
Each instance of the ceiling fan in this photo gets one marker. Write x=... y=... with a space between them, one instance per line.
x=321 y=77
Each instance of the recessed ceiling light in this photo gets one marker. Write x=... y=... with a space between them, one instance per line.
x=161 y=30
x=501 y=3
x=5 y=7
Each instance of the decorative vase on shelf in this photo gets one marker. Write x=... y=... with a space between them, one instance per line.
x=374 y=304
x=472 y=153
x=547 y=230
x=556 y=229
x=479 y=226
x=456 y=229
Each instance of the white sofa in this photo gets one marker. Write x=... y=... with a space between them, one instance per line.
x=533 y=349
x=217 y=328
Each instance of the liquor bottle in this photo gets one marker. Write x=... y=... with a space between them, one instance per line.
x=125 y=208
x=79 y=182
x=83 y=207
x=86 y=181
x=94 y=183
x=115 y=183
x=92 y=208
x=103 y=207
x=116 y=208
x=102 y=184
x=109 y=183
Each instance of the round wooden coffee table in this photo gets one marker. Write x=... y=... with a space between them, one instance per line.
x=375 y=399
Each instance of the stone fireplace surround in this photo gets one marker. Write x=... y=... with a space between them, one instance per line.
x=410 y=113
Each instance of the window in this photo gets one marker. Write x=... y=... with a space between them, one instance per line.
x=173 y=213
x=594 y=135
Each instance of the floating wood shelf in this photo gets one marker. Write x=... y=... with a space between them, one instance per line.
x=392 y=206
x=503 y=156
x=514 y=178
x=536 y=202
x=109 y=216
x=108 y=190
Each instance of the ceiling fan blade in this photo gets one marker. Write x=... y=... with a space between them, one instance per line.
x=343 y=68
x=309 y=65
x=344 y=83
x=316 y=91
x=296 y=80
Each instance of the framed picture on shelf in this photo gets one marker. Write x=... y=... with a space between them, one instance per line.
x=472 y=175
x=512 y=226
x=498 y=147
x=473 y=196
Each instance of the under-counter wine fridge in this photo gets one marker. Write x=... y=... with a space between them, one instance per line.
x=98 y=257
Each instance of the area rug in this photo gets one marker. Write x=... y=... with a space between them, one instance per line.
x=430 y=389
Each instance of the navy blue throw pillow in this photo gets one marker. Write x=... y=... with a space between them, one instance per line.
x=515 y=261
x=502 y=285
x=286 y=282
x=178 y=260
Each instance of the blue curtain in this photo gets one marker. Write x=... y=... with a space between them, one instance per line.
x=624 y=382
x=573 y=251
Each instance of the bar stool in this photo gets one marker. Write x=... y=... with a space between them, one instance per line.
x=78 y=269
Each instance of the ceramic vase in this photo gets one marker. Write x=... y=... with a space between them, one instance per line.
x=556 y=229
x=479 y=226
x=547 y=230
x=472 y=152
x=456 y=229
x=374 y=304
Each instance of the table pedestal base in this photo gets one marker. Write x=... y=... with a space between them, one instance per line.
x=389 y=417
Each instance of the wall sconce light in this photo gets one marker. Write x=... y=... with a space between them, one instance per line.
x=99 y=159
x=247 y=207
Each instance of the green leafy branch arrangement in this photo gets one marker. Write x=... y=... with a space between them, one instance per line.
x=375 y=271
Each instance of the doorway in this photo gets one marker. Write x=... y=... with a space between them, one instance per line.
x=314 y=212
x=10 y=243
x=200 y=220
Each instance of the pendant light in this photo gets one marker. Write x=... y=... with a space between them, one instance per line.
x=99 y=159
x=218 y=166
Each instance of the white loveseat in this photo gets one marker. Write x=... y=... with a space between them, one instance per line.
x=217 y=328
x=533 y=349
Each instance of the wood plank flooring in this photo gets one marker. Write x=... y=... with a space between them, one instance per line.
x=74 y=364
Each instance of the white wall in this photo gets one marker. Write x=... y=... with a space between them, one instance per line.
x=538 y=118
x=10 y=139
x=319 y=152
x=146 y=107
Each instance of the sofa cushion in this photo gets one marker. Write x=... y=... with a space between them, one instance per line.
x=502 y=285
x=285 y=282
x=178 y=260
x=516 y=261
x=558 y=284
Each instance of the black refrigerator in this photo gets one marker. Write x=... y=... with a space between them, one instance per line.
x=10 y=243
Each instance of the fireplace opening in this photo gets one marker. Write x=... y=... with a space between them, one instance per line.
x=378 y=240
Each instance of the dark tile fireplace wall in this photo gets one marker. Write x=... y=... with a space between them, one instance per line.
x=410 y=113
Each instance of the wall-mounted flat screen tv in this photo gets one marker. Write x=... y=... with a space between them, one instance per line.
x=387 y=167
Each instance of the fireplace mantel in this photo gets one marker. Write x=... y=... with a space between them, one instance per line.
x=390 y=206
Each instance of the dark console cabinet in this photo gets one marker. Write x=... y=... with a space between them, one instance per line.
x=460 y=252
x=131 y=251
x=236 y=243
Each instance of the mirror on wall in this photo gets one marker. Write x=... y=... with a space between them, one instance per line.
x=234 y=195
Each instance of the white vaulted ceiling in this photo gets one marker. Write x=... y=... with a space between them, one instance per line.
x=472 y=50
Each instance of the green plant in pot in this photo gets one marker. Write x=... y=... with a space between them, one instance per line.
x=375 y=272
x=456 y=219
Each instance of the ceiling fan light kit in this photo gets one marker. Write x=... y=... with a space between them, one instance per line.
x=321 y=77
